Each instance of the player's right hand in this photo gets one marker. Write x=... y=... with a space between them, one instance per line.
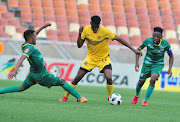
x=137 y=67
x=11 y=75
x=47 y=24
x=138 y=52
x=81 y=29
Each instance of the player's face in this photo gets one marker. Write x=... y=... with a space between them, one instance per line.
x=156 y=37
x=33 y=39
x=94 y=27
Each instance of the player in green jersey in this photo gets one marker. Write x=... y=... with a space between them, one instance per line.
x=153 y=63
x=38 y=72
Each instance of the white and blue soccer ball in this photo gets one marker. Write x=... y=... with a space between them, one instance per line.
x=115 y=99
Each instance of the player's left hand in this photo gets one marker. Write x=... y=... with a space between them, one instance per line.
x=138 y=52
x=11 y=75
x=169 y=73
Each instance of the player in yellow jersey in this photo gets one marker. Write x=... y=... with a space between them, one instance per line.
x=97 y=37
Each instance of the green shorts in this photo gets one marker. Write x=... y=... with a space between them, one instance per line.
x=45 y=79
x=147 y=71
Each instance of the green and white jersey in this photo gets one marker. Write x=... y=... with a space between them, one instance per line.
x=155 y=53
x=35 y=58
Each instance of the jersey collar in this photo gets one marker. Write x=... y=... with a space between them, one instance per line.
x=26 y=44
x=159 y=43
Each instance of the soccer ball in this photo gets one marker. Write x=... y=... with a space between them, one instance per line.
x=115 y=99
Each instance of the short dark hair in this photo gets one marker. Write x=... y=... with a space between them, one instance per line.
x=96 y=19
x=158 y=29
x=27 y=34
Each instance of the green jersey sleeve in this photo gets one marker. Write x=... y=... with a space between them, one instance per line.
x=28 y=50
x=168 y=47
x=144 y=44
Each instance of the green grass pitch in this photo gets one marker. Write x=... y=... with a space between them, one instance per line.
x=41 y=104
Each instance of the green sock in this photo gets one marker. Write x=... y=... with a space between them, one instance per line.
x=138 y=89
x=148 y=93
x=71 y=90
x=10 y=89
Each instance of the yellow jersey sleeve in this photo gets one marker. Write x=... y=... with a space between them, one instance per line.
x=110 y=34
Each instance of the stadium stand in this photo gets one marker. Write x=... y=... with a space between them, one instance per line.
x=132 y=20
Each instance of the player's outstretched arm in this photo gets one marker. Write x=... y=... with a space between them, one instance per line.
x=171 y=60
x=44 y=26
x=19 y=63
x=122 y=41
x=79 y=40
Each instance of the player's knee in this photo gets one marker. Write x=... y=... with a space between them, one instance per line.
x=140 y=83
x=63 y=82
x=109 y=81
x=22 y=89
x=152 y=82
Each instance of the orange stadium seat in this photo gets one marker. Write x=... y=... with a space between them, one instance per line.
x=153 y=4
x=24 y=3
x=173 y=41
x=114 y=42
x=130 y=11
x=8 y=16
x=136 y=40
x=26 y=18
x=146 y=33
x=3 y=8
x=49 y=11
x=60 y=12
x=64 y=35
x=73 y=20
x=62 y=26
x=106 y=9
x=61 y=19
x=3 y=22
x=83 y=7
x=97 y=13
x=21 y=29
x=38 y=23
x=5 y=35
x=1 y=29
x=36 y=3
x=37 y=11
x=52 y=35
x=49 y=18
x=118 y=10
x=142 y=11
x=93 y=2
x=105 y=2
x=72 y=13
x=71 y=6
x=59 y=4
x=15 y=22
x=47 y=3
x=117 y=2
x=26 y=10
x=95 y=8
x=74 y=36
x=129 y=4
x=13 y=3
x=108 y=19
x=84 y=21
x=120 y=20
x=140 y=4
x=125 y=37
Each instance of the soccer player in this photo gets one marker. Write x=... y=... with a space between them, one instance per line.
x=153 y=63
x=38 y=72
x=97 y=37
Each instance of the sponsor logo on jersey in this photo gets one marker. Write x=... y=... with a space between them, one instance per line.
x=99 y=38
x=161 y=49
x=27 y=50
